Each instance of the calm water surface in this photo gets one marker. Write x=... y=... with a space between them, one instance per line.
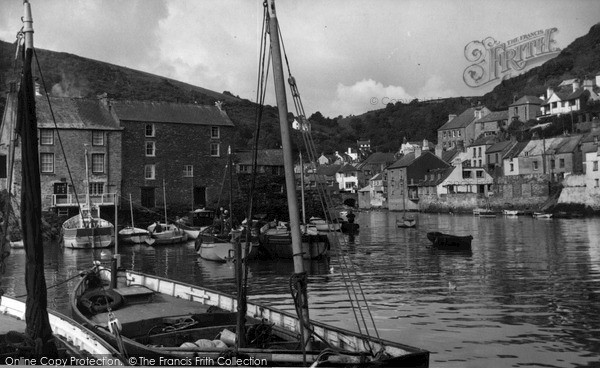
x=527 y=296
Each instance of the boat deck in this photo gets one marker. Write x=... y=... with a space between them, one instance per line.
x=143 y=310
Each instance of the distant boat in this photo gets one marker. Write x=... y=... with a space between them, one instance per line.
x=323 y=225
x=487 y=213
x=87 y=229
x=542 y=215
x=477 y=211
x=196 y=221
x=221 y=248
x=276 y=242
x=511 y=212
x=406 y=222
x=165 y=233
x=132 y=234
x=450 y=242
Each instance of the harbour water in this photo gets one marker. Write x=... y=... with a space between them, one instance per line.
x=526 y=296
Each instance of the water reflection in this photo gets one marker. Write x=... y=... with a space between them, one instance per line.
x=527 y=294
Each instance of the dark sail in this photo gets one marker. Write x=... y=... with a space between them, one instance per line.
x=36 y=315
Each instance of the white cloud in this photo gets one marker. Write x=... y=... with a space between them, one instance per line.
x=434 y=88
x=366 y=95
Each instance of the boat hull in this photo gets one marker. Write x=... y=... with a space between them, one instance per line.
x=450 y=242
x=134 y=235
x=224 y=251
x=218 y=313
x=279 y=245
x=76 y=338
x=169 y=234
x=77 y=236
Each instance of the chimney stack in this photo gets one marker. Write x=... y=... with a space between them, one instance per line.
x=417 y=151
x=576 y=85
x=549 y=92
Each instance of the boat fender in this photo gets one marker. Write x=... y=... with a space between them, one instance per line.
x=114 y=325
x=198 y=243
x=204 y=343
x=100 y=301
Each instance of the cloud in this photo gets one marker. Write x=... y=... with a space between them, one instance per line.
x=366 y=95
x=434 y=88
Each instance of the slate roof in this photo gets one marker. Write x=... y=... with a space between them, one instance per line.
x=408 y=159
x=461 y=120
x=170 y=112
x=74 y=113
x=347 y=168
x=527 y=100
x=448 y=156
x=566 y=95
x=516 y=150
x=484 y=140
x=499 y=147
x=493 y=116
x=378 y=158
x=328 y=170
x=266 y=157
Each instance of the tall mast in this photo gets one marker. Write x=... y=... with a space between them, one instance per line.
x=36 y=312
x=290 y=181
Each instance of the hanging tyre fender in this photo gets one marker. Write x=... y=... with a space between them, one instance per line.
x=100 y=301
x=198 y=243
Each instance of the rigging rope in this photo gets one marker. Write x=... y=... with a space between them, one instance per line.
x=356 y=295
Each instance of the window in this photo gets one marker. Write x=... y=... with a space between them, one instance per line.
x=149 y=172
x=150 y=149
x=479 y=150
x=215 y=149
x=458 y=133
x=496 y=159
x=561 y=163
x=96 y=189
x=595 y=166
x=512 y=167
x=474 y=152
x=214 y=132
x=597 y=183
x=97 y=162
x=97 y=138
x=349 y=185
x=443 y=134
x=552 y=164
x=188 y=171
x=47 y=162
x=480 y=164
x=535 y=165
x=150 y=132
x=46 y=137
x=479 y=174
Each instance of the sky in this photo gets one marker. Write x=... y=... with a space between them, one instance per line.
x=347 y=56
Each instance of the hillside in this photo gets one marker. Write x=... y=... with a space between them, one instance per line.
x=71 y=75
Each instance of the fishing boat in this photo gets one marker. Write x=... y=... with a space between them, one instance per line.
x=132 y=234
x=325 y=226
x=450 y=242
x=276 y=241
x=165 y=233
x=87 y=229
x=221 y=247
x=30 y=334
x=166 y=318
x=196 y=221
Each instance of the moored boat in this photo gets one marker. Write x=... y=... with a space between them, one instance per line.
x=276 y=242
x=542 y=215
x=134 y=235
x=166 y=318
x=196 y=221
x=87 y=230
x=406 y=222
x=161 y=233
x=325 y=226
x=511 y=212
x=79 y=345
x=450 y=242
x=221 y=248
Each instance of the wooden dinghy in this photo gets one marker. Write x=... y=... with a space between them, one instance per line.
x=450 y=242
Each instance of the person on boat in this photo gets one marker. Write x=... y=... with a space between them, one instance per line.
x=158 y=228
x=350 y=216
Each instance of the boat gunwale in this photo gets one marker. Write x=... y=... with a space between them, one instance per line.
x=90 y=343
x=336 y=336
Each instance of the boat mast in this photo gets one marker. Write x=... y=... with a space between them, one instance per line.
x=290 y=181
x=131 y=211
x=302 y=190
x=36 y=312
x=165 y=201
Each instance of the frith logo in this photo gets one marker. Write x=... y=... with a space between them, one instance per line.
x=493 y=60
